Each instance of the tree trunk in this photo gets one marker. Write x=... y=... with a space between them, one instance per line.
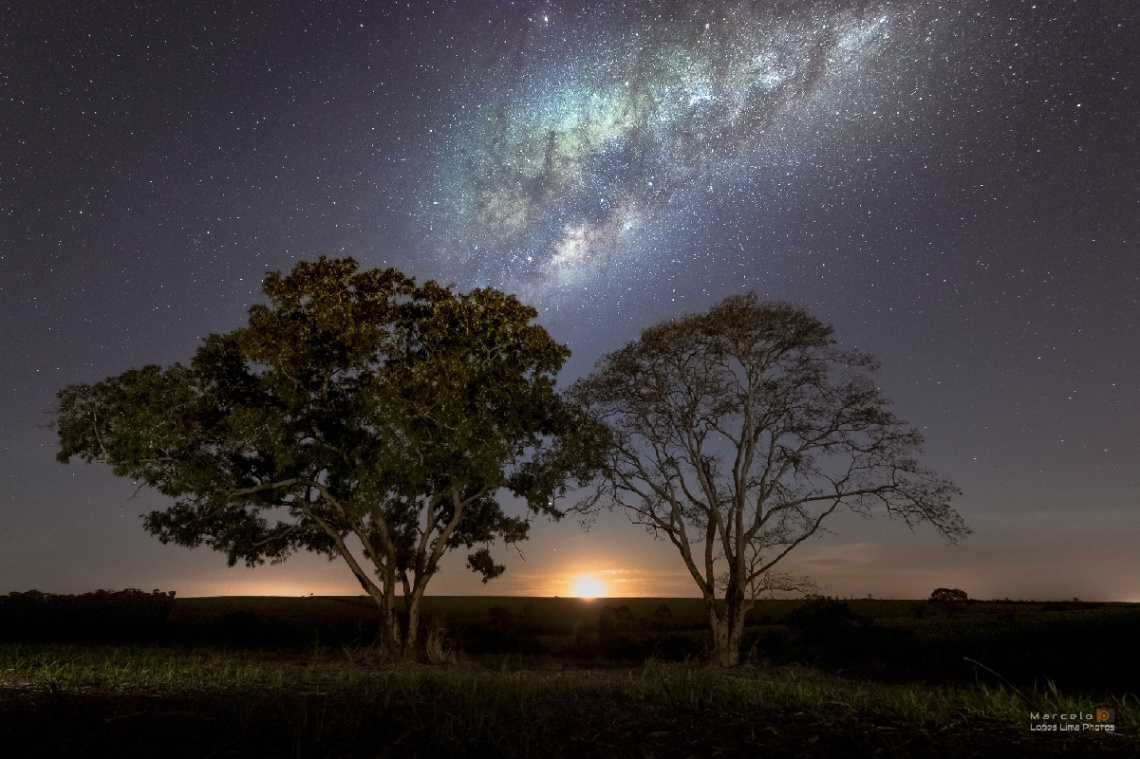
x=411 y=635
x=390 y=636
x=728 y=627
x=726 y=642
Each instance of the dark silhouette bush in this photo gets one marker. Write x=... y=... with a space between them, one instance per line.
x=616 y=623
x=822 y=618
x=618 y=634
x=506 y=633
x=949 y=595
x=126 y=615
x=754 y=617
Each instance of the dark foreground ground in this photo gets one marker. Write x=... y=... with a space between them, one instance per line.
x=354 y=723
x=226 y=678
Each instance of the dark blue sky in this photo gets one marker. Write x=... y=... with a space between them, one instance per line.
x=955 y=187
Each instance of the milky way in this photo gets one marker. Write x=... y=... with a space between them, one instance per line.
x=953 y=184
x=601 y=139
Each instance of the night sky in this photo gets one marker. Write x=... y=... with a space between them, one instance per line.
x=954 y=186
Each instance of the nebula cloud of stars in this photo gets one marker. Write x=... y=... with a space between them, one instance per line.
x=602 y=138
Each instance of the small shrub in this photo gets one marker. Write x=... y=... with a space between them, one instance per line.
x=436 y=646
x=677 y=648
x=616 y=623
x=822 y=617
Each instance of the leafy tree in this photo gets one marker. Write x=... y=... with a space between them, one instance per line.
x=949 y=596
x=949 y=600
x=356 y=415
x=737 y=433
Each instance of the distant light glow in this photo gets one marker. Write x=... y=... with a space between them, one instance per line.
x=588 y=587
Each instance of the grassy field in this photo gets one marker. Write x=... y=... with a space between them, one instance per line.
x=837 y=684
x=73 y=700
x=1085 y=648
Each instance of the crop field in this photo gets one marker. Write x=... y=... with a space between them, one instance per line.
x=522 y=677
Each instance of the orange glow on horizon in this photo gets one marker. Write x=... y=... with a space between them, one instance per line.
x=588 y=587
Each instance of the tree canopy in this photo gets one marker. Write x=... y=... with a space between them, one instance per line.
x=356 y=415
x=738 y=432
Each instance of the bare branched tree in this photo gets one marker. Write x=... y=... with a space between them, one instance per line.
x=737 y=433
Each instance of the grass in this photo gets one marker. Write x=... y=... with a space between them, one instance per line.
x=288 y=677
x=347 y=702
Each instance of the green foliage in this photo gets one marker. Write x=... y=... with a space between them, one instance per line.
x=352 y=404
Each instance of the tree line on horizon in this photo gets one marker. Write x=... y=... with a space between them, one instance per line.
x=378 y=421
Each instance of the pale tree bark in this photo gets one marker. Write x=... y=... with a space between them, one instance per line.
x=399 y=628
x=738 y=433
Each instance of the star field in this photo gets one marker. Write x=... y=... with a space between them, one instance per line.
x=587 y=163
x=955 y=186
